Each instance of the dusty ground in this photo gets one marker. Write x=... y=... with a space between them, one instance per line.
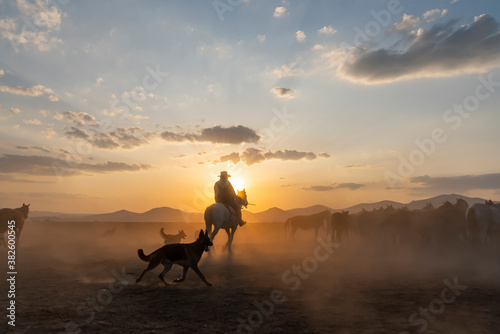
x=78 y=278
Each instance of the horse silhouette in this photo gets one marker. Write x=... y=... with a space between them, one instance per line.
x=314 y=221
x=339 y=225
x=482 y=220
x=221 y=216
x=18 y=215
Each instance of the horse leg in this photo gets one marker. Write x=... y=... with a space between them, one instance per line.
x=228 y=243
x=232 y=238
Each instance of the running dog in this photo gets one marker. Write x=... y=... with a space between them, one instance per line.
x=184 y=255
x=172 y=238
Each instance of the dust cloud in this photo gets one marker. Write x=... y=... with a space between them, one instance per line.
x=80 y=278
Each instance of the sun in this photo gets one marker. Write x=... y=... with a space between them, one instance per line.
x=237 y=182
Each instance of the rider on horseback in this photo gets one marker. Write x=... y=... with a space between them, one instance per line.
x=224 y=193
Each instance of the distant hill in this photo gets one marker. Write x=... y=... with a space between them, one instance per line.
x=166 y=214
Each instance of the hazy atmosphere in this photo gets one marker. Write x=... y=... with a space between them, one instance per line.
x=360 y=136
x=134 y=105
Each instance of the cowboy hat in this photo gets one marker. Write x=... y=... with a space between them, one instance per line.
x=224 y=173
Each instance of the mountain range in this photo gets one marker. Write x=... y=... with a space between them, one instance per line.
x=166 y=214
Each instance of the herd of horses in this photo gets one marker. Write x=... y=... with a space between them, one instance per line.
x=447 y=225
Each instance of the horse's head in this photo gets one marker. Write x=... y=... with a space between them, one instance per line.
x=462 y=204
x=242 y=195
x=25 y=210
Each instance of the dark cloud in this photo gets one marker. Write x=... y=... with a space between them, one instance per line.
x=459 y=183
x=349 y=185
x=443 y=50
x=283 y=92
x=43 y=165
x=104 y=141
x=252 y=156
x=125 y=138
x=80 y=118
x=10 y=178
x=75 y=133
x=233 y=157
x=33 y=148
x=218 y=135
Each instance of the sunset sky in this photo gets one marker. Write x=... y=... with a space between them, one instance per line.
x=139 y=104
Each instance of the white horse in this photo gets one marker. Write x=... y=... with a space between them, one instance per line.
x=223 y=217
x=481 y=220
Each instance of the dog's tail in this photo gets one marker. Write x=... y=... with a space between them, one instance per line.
x=142 y=256
x=162 y=233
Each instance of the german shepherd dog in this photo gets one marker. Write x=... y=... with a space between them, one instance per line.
x=172 y=238
x=184 y=255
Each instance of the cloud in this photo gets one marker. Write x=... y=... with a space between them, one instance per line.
x=283 y=92
x=43 y=13
x=26 y=91
x=442 y=51
x=233 y=157
x=319 y=188
x=15 y=110
x=125 y=138
x=49 y=133
x=2 y=72
x=300 y=36
x=408 y=22
x=33 y=148
x=218 y=135
x=279 y=12
x=75 y=133
x=32 y=121
x=44 y=18
x=99 y=81
x=285 y=71
x=53 y=98
x=431 y=15
x=459 y=183
x=349 y=185
x=328 y=31
x=128 y=138
x=47 y=166
x=261 y=38
x=80 y=118
x=252 y=156
x=10 y=178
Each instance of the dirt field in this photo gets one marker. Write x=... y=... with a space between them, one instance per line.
x=79 y=278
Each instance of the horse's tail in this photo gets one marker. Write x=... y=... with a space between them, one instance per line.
x=145 y=258
x=208 y=220
x=287 y=223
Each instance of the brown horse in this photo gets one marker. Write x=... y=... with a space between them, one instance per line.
x=339 y=225
x=314 y=221
x=18 y=215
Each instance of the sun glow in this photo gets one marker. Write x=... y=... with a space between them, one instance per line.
x=237 y=182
